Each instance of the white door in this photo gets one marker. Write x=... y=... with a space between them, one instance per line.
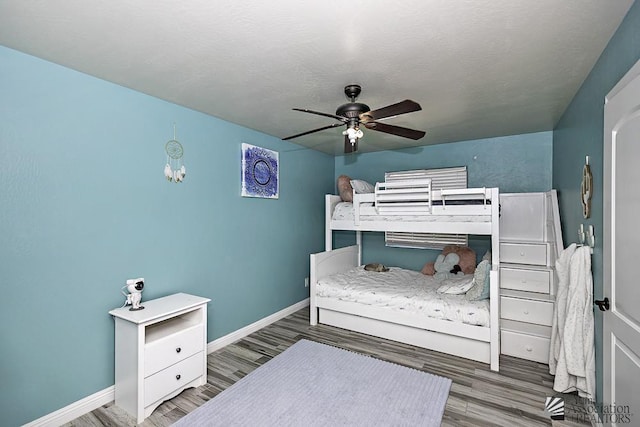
x=621 y=234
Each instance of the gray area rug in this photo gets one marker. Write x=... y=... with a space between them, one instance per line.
x=312 y=384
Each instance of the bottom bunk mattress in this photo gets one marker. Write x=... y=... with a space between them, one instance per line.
x=404 y=290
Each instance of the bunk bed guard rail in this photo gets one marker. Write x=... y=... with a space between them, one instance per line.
x=441 y=179
x=403 y=197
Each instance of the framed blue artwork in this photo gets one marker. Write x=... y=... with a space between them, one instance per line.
x=260 y=172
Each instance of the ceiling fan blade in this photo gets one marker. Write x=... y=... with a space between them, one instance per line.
x=395 y=130
x=348 y=147
x=333 y=116
x=312 y=131
x=402 y=107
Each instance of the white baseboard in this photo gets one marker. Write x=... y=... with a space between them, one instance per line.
x=249 y=329
x=100 y=398
x=76 y=409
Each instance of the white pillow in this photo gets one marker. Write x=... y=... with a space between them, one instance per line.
x=361 y=187
x=456 y=285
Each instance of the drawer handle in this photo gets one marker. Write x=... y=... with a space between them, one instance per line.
x=178 y=377
x=521 y=253
x=526 y=312
x=178 y=350
x=529 y=348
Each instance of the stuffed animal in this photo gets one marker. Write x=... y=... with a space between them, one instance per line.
x=380 y=268
x=345 y=190
x=467 y=263
x=445 y=266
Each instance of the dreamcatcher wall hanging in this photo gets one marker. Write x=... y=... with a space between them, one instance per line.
x=174 y=170
x=586 y=189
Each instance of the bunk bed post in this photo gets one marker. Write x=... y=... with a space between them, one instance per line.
x=313 y=308
x=494 y=302
x=359 y=243
x=495 y=228
x=328 y=233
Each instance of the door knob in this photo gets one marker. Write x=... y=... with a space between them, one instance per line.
x=602 y=304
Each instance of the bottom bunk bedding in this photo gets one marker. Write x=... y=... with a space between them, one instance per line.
x=407 y=291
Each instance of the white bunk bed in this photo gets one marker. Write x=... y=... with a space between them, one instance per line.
x=414 y=208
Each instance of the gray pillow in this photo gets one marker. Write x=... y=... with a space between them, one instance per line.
x=480 y=289
x=362 y=187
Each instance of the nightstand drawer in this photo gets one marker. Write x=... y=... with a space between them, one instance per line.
x=525 y=253
x=524 y=346
x=529 y=280
x=166 y=381
x=172 y=349
x=524 y=310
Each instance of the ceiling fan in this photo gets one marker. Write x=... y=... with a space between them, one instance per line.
x=354 y=114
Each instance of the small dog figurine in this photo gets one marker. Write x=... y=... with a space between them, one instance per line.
x=376 y=267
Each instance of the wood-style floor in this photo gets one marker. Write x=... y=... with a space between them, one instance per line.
x=479 y=397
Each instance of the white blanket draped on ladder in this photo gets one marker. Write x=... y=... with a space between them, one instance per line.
x=572 y=350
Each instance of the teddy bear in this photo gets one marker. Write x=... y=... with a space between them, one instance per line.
x=466 y=263
x=344 y=188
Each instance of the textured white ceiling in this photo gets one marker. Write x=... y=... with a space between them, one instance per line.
x=479 y=68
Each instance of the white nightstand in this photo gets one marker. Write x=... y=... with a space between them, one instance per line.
x=159 y=351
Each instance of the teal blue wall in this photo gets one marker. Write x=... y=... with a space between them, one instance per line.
x=513 y=163
x=580 y=133
x=84 y=205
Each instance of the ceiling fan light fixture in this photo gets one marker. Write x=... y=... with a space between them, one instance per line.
x=353 y=134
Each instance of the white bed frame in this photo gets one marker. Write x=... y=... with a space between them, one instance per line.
x=472 y=342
